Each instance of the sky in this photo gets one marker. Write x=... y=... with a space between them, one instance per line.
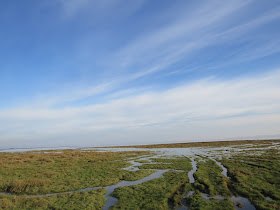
x=119 y=72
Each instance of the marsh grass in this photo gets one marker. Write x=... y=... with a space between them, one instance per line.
x=42 y=173
x=255 y=174
x=256 y=177
x=180 y=193
x=142 y=161
x=154 y=194
x=210 y=180
x=197 y=202
x=161 y=193
x=93 y=199
x=179 y=163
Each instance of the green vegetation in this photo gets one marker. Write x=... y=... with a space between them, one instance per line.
x=196 y=201
x=93 y=199
x=180 y=193
x=256 y=176
x=142 y=161
x=210 y=180
x=161 y=193
x=154 y=194
x=42 y=173
x=180 y=163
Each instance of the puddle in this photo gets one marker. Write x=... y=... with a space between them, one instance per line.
x=207 y=197
x=246 y=204
x=268 y=198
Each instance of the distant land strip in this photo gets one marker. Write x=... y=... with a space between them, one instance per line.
x=201 y=144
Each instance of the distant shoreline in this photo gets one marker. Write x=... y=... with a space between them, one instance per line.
x=199 y=144
x=164 y=145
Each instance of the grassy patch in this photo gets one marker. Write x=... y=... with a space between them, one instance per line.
x=180 y=163
x=179 y=194
x=142 y=161
x=256 y=176
x=93 y=199
x=42 y=173
x=210 y=180
x=153 y=194
x=196 y=201
x=136 y=175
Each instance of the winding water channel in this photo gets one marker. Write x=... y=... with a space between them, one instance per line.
x=225 y=171
x=109 y=189
x=246 y=204
x=191 y=172
x=111 y=200
x=189 y=152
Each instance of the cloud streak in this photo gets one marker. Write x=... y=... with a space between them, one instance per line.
x=181 y=39
x=204 y=104
x=130 y=71
x=185 y=36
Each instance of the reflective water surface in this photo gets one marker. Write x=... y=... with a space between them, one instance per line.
x=159 y=152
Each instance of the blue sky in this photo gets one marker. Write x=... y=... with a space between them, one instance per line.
x=91 y=73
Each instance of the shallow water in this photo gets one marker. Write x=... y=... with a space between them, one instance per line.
x=246 y=204
x=184 y=201
x=133 y=167
x=191 y=172
x=112 y=201
x=160 y=152
x=268 y=198
x=225 y=171
x=207 y=197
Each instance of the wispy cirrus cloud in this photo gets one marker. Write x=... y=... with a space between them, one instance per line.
x=97 y=9
x=180 y=39
x=204 y=104
x=187 y=35
x=128 y=70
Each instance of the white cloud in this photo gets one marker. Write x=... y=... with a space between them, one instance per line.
x=187 y=34
x=207 y=108
x=180 y=39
